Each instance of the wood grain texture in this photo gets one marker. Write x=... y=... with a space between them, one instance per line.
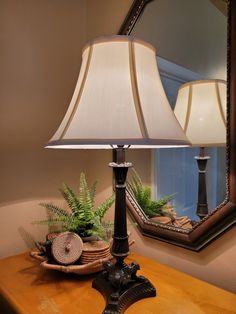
x=30 y=289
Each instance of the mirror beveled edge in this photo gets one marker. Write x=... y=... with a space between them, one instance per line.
x=224 y=216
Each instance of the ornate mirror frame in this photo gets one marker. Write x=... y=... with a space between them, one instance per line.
x=224 y=216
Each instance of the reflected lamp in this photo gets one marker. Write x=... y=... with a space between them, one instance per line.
x=201 y=110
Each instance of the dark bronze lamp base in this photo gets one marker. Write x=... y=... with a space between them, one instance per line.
x=119 y=283
x=121 y=287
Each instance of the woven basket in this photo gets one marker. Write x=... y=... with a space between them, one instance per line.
x=85 y=269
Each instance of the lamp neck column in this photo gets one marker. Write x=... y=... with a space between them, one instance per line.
x=120 y=247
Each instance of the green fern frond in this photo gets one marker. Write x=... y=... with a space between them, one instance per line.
x=85 y=198
x=136 y=177
x=93 y=192
x=135 y=185
x=52 y=222
x=102 y=209
x=142 y=195
x=152 y=213
x=54 y=209
x=98 y=229
x=70 y=198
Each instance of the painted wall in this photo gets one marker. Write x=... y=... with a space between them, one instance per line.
x=41 y=44
x=40 y=55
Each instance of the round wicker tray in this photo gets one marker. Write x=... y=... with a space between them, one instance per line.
x=84 y=269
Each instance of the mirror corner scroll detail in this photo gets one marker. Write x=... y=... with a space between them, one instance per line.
x=222 y=216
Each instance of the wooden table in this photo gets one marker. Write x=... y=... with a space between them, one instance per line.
x=30 y=289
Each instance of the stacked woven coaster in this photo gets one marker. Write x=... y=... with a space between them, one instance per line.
x=93 y=251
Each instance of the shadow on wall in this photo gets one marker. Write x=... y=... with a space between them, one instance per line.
x=18 y=233
x=14 y=218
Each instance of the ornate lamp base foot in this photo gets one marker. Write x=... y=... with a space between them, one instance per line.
x=121 y=287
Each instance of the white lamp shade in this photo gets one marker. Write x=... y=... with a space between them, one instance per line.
x=118 y=100
x=201 y=111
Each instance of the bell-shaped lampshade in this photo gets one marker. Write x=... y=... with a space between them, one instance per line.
x=118 y=100
x=201 y=110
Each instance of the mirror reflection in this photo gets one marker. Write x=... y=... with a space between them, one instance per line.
x=192 y=49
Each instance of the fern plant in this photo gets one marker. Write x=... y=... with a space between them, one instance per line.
x=83 y=218
x=142 y=195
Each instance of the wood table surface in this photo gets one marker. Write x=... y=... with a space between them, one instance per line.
x=31 y=289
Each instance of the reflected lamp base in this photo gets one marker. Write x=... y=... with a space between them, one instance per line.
x=202 y=207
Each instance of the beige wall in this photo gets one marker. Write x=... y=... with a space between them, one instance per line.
x=40 y=51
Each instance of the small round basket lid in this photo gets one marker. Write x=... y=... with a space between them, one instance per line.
x=67 y=248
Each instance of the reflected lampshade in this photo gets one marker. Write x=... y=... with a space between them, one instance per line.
x=118 y=100
x=201 y=110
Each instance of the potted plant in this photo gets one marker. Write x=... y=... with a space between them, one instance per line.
x=64 y=251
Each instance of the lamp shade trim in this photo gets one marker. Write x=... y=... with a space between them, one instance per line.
x=107 y=144
x=135 y=91
x=118 y=38
x=79 y=93
x=188 y=108
x=201 y=82
x=220 y=103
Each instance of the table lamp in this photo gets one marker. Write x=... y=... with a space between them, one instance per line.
x=119 y=102
x=201 y=110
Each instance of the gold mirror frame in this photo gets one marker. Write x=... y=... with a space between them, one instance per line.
x=224 y=216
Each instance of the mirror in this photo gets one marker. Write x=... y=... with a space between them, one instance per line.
x=188 y=49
